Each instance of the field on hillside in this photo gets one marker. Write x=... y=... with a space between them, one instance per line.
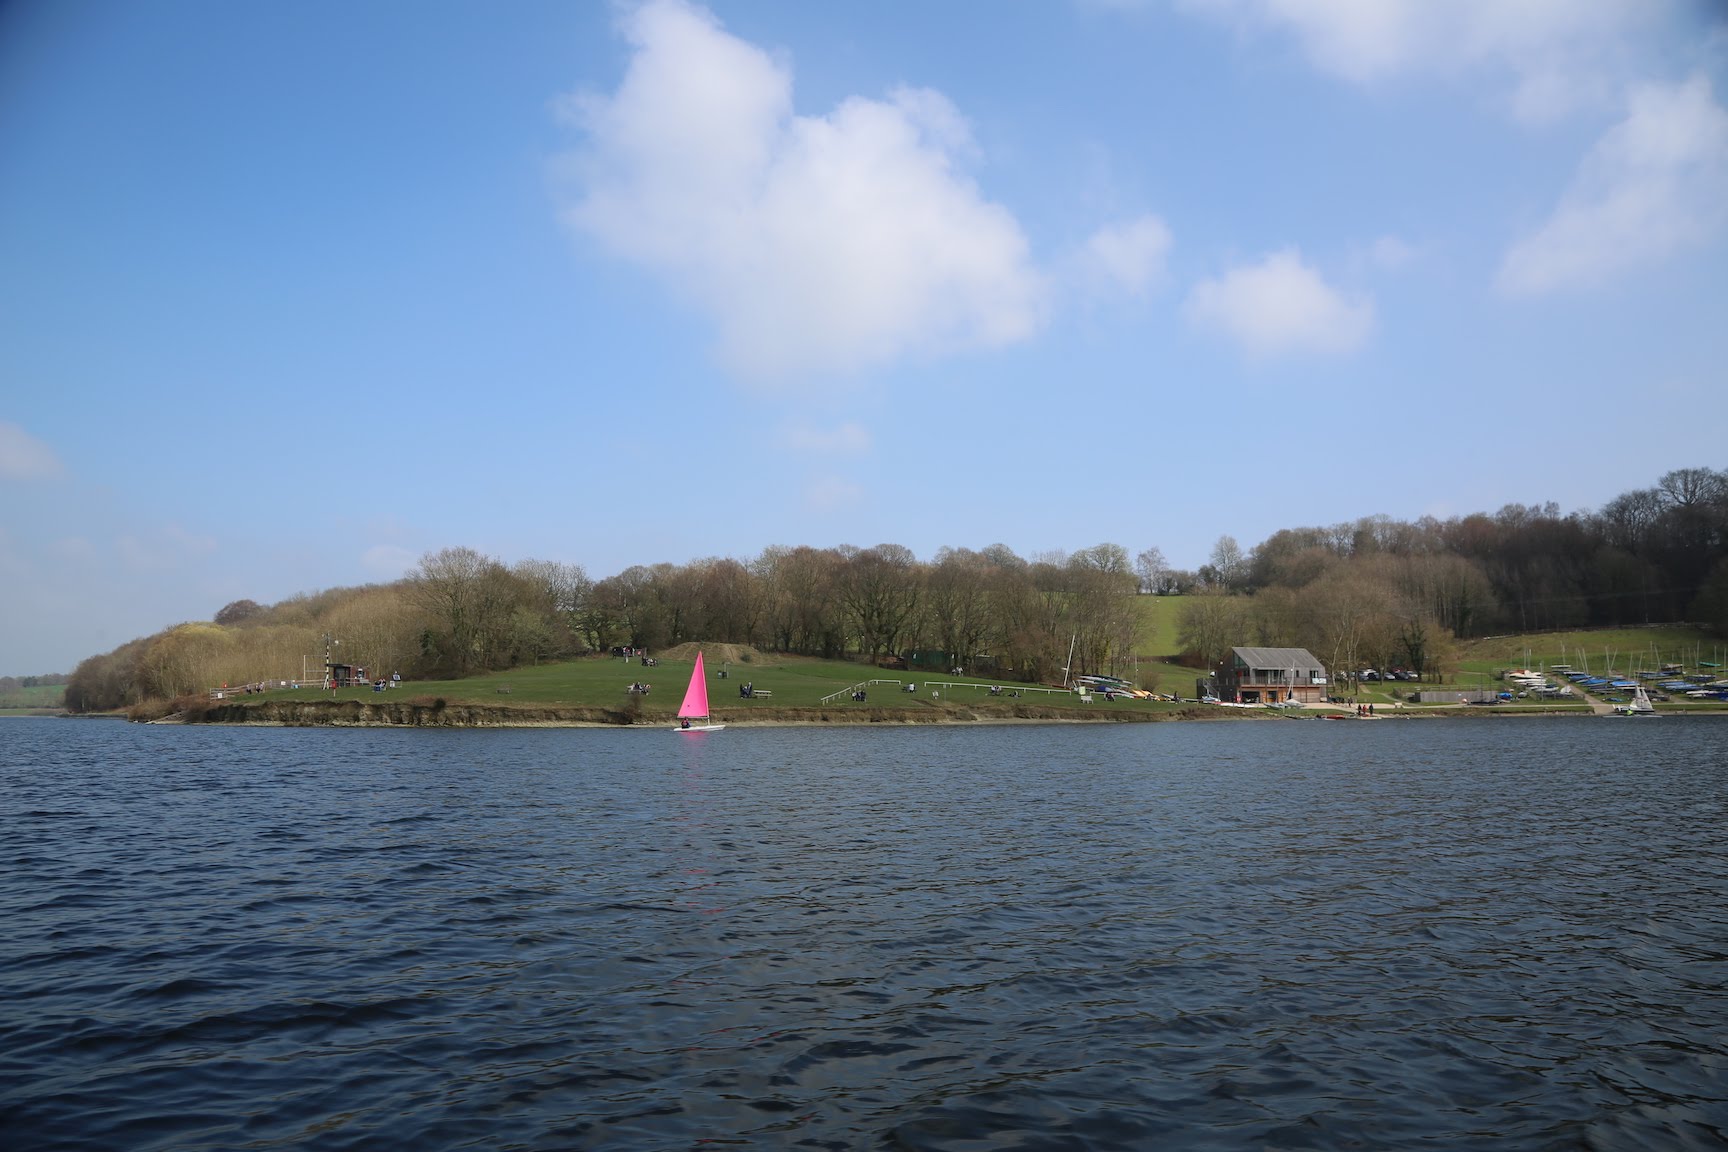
x=1617 y=650
x=779 y=681
x=37 y=698
x=1160 y=621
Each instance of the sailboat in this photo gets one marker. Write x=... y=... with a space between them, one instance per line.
x=693 y=713
x=1640 y=705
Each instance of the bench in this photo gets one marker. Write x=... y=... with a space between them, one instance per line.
x=760 y=694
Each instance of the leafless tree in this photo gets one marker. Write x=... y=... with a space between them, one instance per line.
x=1150 y=567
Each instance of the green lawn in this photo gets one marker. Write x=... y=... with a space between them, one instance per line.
x=792 y=681
x=1160 y=622
x=1624 y=650
x=1618 y=649
x=37 y=698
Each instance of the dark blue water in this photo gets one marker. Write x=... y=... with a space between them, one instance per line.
x=1291 y=935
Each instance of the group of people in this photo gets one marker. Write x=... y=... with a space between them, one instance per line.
x=639 y=688
x=858 y=695
x=747 y=690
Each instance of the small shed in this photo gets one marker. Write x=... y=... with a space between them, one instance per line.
x=344 y=675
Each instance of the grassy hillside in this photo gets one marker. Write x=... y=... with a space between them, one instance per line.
x=37 y=698
x=789 y=681
x=1621 y=650
x=1153 y=669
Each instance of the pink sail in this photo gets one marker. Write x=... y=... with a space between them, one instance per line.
x=696 y=696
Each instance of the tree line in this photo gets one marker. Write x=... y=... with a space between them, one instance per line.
x=1374 y=590
x=1379 y=591
x=10 y=684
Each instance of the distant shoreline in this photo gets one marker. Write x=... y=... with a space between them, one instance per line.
x=350 y=715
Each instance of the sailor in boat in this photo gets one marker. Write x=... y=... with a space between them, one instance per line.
x=685 y=722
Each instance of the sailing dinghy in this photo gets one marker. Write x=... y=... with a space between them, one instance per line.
x=1640 y=705
x=693 y=713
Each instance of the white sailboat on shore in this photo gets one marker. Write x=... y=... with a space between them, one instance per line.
x=1640 y=705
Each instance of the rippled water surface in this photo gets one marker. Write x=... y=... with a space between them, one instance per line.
x=1276 y=934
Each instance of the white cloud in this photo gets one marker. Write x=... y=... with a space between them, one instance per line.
x=387 y=561
x=23 y=457
x=848 y=439
x=1654 y=184
x=1127 y=257
x=1280 y=306
x=817 y=243
x=1390 y=253
x=165 y=548
x=11 y=562
x=830 y=493
x=1558 y=54
x=74 y=549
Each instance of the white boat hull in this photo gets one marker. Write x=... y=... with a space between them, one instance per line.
x=699 y=728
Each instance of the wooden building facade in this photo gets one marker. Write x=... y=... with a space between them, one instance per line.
x=1271 y=676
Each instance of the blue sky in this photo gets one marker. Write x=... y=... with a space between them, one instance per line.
x=291 y=295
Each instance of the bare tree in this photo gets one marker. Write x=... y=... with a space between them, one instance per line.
x=379 y=628
x=1150 y=567
x=1687 y=487
x=1212 y=622
x=957 y=595
x=800 y=606
x=462 y=592
x=1105 y=617
x=558 y=592
x=1229 y=566
x=879 y=588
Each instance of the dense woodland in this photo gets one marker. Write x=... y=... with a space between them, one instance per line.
x=1373 y=592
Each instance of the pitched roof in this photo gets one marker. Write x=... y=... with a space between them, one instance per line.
x=1277 y=658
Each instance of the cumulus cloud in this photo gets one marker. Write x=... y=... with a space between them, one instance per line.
x=1558 y=54
x=1390 y=253
x=387 y=561
x=816 y=242
x=161 y=549
x=830 y=493
x=848 y=439
x=1126 y=257
x=1654 y=184
x=23 y=457
x=74 y=549
x=1280 y=306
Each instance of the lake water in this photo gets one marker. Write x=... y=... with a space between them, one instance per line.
x=1506 y=933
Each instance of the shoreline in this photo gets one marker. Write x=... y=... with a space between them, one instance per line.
x=354 y=714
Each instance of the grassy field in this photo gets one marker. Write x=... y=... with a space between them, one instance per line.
x=1481 y=662
x=791 y=682
x=44 y=698
x=1621 y=650
x=1160 y=622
